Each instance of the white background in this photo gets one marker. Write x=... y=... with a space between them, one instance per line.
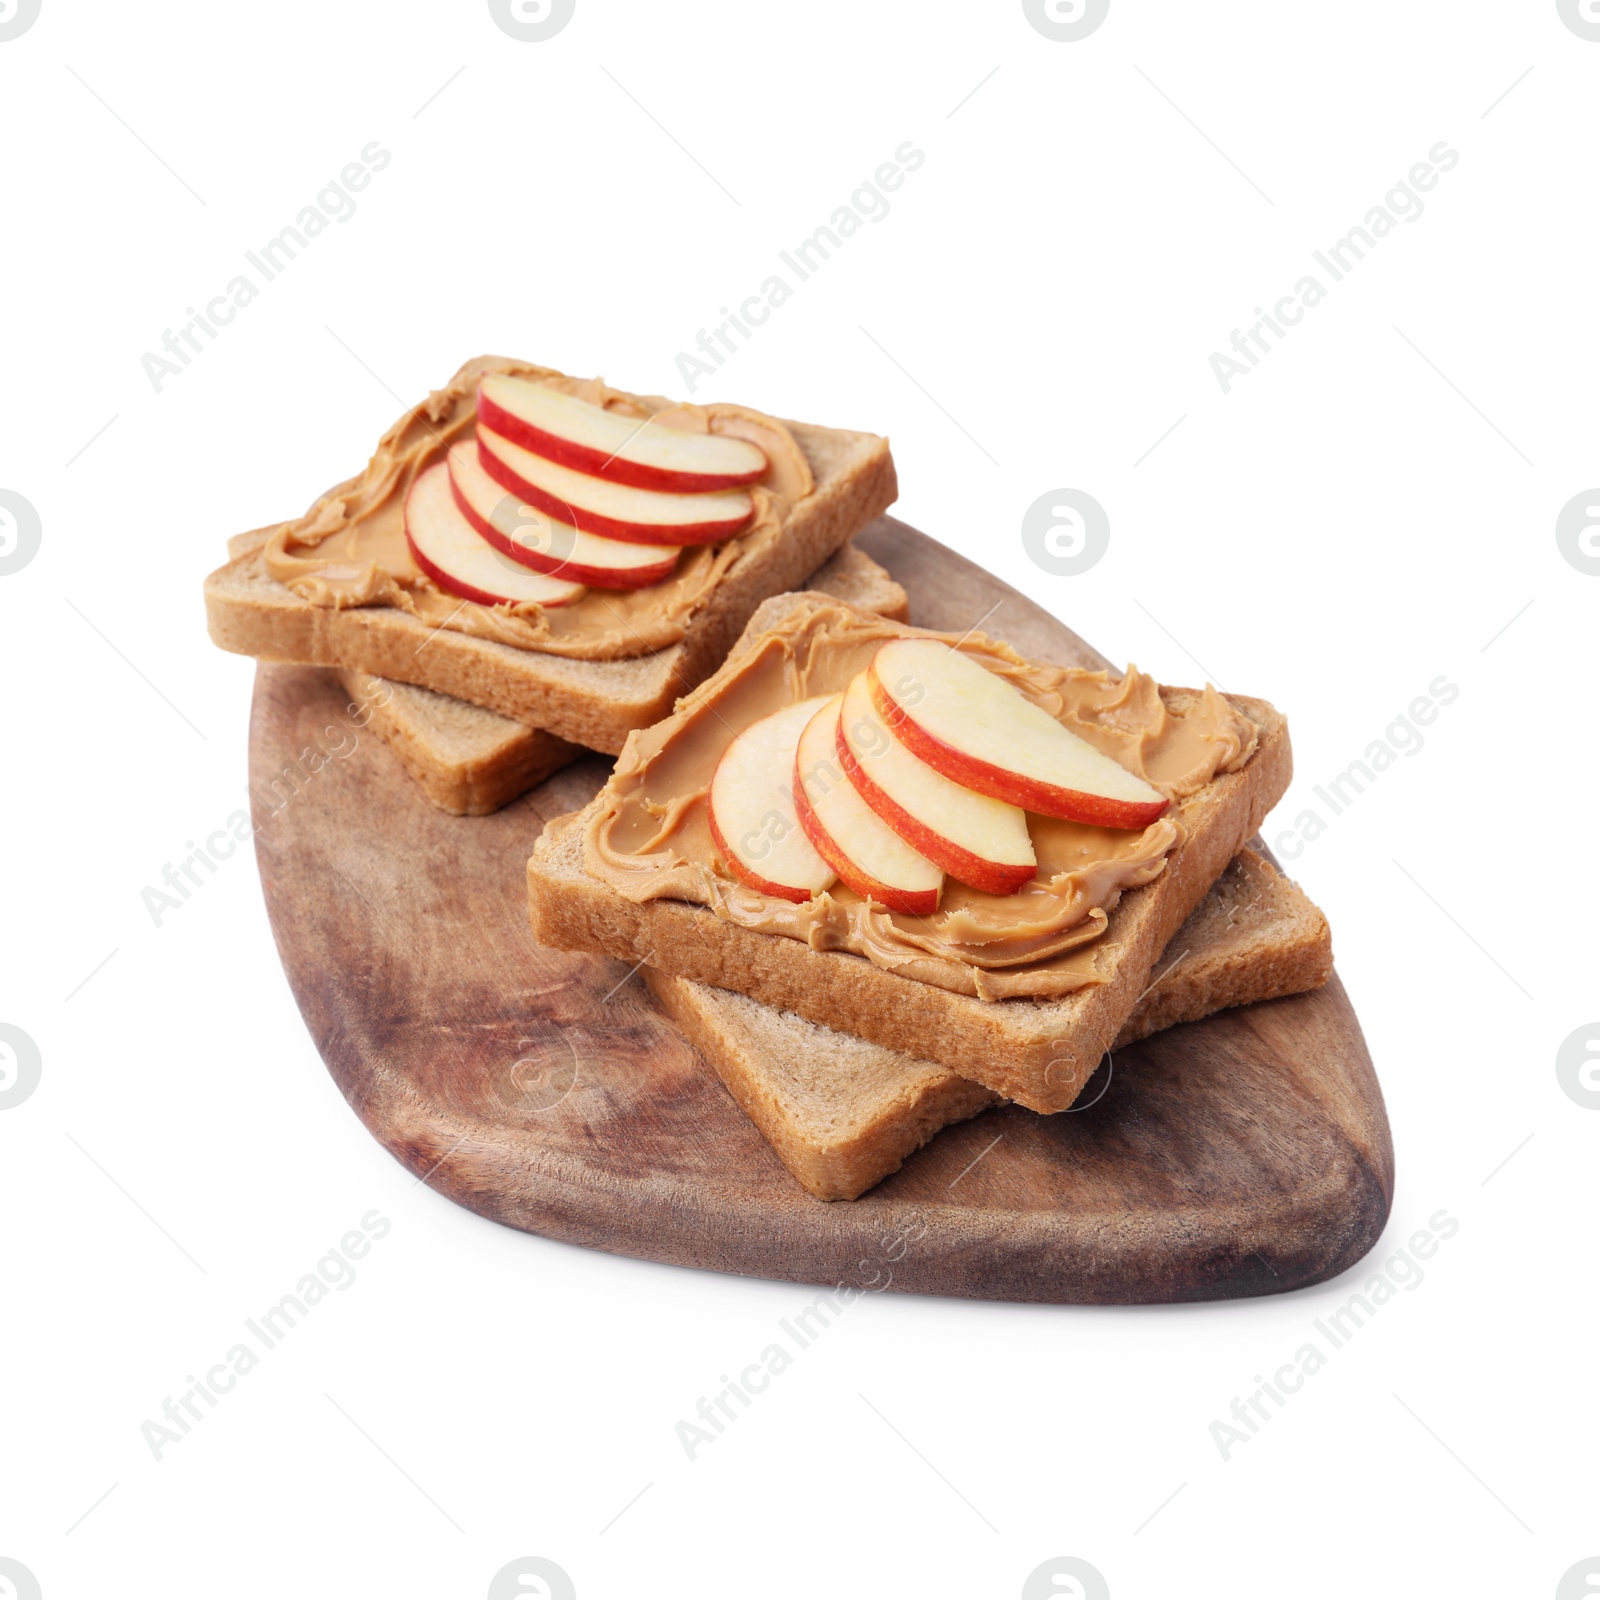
x=1366 y=511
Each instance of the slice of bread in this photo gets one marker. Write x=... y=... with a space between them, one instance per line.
x=471 y=761
x=1037 y=1052
x=842 y=1114
x=591 y=703
x=467 y=760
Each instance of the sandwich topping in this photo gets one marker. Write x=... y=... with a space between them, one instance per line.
x=548 y=513
x=935 y=804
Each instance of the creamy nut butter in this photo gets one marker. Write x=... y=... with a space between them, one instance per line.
x=649 y=838
x=350 y=548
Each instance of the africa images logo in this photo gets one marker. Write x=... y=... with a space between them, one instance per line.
x=1578 y=1066
x=1065 y=21
x=16 y=17
x=15 y=1579
x=531 y=1578
x=532 y=21
x=1065 y=532
x=21 y=532
x=21 y=1066
x=1582 y=16
x=1065 y=1578
x=1578 y=532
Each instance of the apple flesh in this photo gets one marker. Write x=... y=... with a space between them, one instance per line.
x=448 y=549
x=978 y=730
x=980 y=841
x=869 y=856
x=613 y=510
x=544 y=544
x=606 y=444
x=750 y=807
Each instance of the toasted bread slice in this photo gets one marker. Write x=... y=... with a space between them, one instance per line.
x=1037 y=1052
x=591 y=703
x=842 y=1114
x=471 y=761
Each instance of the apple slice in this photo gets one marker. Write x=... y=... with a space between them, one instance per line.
x=980 y=841
x=970 y=724
x=750 y=807
x=545 y=544
x=447 y=547
x=869 y=856
x=605 y=444
x=613 y=510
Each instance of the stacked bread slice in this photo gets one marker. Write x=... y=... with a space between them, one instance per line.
x=914 y=785
x=848 y=1059
x=444 y=461
x=471 y=761
x=842 y=1113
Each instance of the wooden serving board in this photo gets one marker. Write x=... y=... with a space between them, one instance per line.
x=1247 y=1154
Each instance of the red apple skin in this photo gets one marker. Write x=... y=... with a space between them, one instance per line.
x=746 y=875
x=992 y=877
x=1072 y=805
x=554 y=566
x=582 y=458
x=465 y=591
x=913 y=903
x=607 y=527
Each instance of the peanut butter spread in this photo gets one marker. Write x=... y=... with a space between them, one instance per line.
x=350 y=548
x=648 y=836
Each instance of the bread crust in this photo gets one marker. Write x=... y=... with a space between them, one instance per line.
x=467 y=760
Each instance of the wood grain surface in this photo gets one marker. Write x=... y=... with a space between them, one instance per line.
x=1248 y=1154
